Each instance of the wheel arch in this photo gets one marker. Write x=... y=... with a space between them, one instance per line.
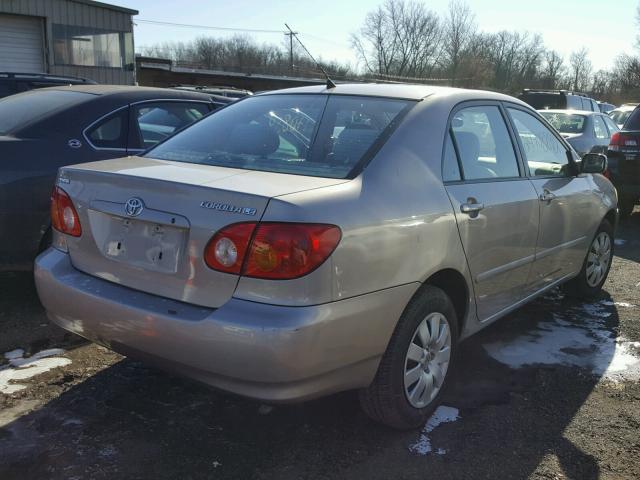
x=454 y=284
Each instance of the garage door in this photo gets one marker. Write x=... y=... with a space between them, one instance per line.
x=21 y=46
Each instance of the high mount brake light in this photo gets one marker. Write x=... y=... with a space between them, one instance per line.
x=277 y=251
x=64 y=216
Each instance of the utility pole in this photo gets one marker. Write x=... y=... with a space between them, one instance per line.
x=290 y=34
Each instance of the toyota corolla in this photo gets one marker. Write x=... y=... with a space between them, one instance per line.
x=314 y=240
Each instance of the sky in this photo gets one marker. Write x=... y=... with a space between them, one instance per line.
x=606 y=29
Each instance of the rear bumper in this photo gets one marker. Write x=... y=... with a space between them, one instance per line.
x=273 y=353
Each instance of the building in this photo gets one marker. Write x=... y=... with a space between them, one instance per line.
x=80 y=38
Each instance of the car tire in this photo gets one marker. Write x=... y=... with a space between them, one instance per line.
x=596 y=265
x=387 y=400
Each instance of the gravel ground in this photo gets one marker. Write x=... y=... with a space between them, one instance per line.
x=550 y=392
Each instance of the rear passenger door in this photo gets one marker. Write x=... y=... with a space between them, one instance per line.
x=496 y=207
x=152 y=122
x=567 y=204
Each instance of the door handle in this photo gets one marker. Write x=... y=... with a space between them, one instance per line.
x=547 y=196
x=471 y=208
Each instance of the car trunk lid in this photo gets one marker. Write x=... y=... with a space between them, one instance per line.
x=146 y=223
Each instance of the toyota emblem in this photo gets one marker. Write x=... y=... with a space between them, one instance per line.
x=134 y=207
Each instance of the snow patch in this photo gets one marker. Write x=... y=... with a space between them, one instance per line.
x=441 y=415
x=21 y=368
x=576 y=337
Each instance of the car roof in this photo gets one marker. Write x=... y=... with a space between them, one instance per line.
x=126 y=92
x=396 y=90
x=570 y=111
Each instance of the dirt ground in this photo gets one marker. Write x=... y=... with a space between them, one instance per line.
x=550 y=392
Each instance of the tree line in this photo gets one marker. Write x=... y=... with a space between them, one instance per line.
x=403 y=40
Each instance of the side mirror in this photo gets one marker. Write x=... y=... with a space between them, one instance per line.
x=594 y=163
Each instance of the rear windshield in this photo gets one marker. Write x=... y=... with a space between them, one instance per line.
x=565 y=122
x=630 y=122
x=317 y=135
x=17 y=111
x=544 y=101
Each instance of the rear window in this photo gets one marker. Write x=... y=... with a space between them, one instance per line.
x=544 y=101
x=632 y=120
x=317 y=135
x=18 y=111
x=565 y=122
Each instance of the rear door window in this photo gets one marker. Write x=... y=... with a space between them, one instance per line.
x=483 y=144
x=110 y=132
x=155 y=121
x=450 y=166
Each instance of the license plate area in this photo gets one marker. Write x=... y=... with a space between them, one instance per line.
x=144 y=244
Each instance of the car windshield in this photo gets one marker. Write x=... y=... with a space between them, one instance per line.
x=565 y=122
x=317 y=135
x=621 y=117
x=17 y=111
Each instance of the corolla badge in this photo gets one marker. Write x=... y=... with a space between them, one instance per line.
x=134 y=207
x=74 y=143
x=225 y=207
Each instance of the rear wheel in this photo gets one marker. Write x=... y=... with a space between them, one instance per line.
x=596 y=266
x=413 y=372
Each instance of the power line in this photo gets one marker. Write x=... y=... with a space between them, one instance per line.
x=207 y=27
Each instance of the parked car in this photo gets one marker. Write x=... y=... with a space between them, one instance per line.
x=350 y=245
x=218 y=91
x=586 y=132
x=558 y=100
x=12 y=83
x=606 y=107
x=214 y=95
x=624 y=163
x=620 y=114
x=44 y=129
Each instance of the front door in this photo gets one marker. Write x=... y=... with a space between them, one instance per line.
x=496 y=207
x=565 y=200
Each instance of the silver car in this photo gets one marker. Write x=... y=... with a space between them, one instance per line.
x=311 y=240
x=586 y=132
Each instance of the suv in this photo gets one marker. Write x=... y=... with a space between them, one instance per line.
x=558 y=99
x=624 y=163
x=11 y=83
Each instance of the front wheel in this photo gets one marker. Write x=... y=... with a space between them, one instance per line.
x=414 y=369
x=596 y=266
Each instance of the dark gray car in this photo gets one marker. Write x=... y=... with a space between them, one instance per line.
x=586 y=132
x=44 y=129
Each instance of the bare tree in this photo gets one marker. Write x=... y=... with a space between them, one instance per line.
x=399 y=38
x=580 y=69
x=459 y=30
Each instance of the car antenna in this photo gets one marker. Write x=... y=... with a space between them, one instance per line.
x=330 y=83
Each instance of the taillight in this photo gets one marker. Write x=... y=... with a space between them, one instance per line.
x=277 y=251
x=619 y=140
x=226 y=250
x=64 y=217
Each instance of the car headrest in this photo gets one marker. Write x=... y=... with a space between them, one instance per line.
x=468 y=145
x=253 y=139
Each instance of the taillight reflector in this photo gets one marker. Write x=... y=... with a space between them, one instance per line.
x=278 y=251
x=64 y=216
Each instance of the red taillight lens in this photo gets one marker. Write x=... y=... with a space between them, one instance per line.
x=615 y=138
x=278 y=251
x=290 y=250
x=64 y=217
x=226 y=250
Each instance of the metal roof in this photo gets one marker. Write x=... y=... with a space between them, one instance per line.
x=108 y=6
